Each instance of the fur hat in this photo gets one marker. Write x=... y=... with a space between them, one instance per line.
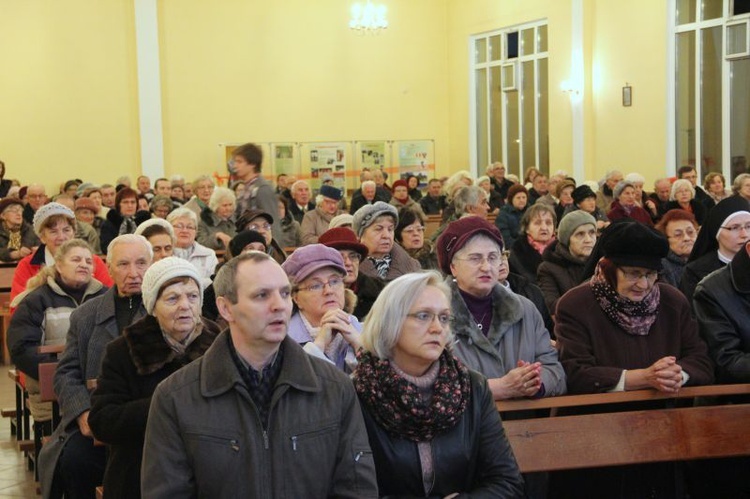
x=47 y=211
x=515 y=189
x=637 y=245
x=86 y=204
x=570 y=222
x=365 y=216
x=455 y=236
x=4 y=203
x=162 y=271
x=621 y=185
x=582 y=192
x=330 y=192
x=242 y=239
x=307 y=259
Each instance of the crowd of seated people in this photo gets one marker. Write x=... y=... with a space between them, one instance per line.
x=417 y=329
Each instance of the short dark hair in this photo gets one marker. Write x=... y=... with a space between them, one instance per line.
x=125 y=192
x=251 y=153
x=155 y=230
x=162 y=179
x=685 y=169
x=406 y=217
x=225 y=282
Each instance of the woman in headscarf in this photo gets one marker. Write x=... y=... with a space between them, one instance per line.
x=433 y=427
x=170 y=336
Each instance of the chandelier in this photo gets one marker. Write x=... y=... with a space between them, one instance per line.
x=368 y=18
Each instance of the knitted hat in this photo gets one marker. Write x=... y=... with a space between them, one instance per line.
x=341 y=220
x=154 y=221
x=86 y=204
x=250 y=215
x=343 y=238
x=365 y=216
x=47 y=211
x=307 y=259
x=4 y=203
x=455 y=236
x=162 y=271
x=621 y=185
x=515 y=189
x=400 y=183
x=571 y=222
x=242 y=239
x=330 y=192
x=582 y=192
x=636 y=245
x=83 y=188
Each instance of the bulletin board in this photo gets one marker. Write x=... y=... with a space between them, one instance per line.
x=415 y=157
x=322 y=159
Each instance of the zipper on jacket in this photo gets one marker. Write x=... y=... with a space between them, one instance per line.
x=265 y=439
x=358 y=456
x=294 y=443
x=235 y=445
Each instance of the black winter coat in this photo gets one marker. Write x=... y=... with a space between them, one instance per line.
x=473 y=457
x=559 y=272
x=524 y=259
x=132 y=367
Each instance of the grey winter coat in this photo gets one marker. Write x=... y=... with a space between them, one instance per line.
x=204 y=436
x=516 y=333
x=401 y=263
x=92 y=326
x=211 y=224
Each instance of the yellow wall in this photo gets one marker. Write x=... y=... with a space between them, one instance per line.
x=68 y=95
x=241 y=70
x=631 y=139
x=237 y=71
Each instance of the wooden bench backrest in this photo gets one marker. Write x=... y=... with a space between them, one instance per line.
x=46 y=381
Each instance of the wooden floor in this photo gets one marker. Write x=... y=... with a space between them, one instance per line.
x=15 y=480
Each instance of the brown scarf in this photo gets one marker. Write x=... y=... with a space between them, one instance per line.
x=635 y=317
x=397 y=406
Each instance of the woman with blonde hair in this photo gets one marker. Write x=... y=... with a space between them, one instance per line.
x=432 y=423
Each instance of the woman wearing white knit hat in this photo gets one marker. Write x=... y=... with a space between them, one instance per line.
x=172 y=335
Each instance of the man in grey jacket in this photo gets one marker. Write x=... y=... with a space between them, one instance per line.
x=70 y=462
x=256 y=417
x=247 y=161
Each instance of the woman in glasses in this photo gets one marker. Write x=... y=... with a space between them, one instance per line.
x=432 y=423
x=624 y=331
x=681 y=229
x=185 y=224
x=725 y=232
x=322 y=321
x=262 y=222
x=498 y=333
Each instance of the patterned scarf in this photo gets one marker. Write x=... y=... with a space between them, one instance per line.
x=127 y=226
x=397 y=406
x=14 y=237
x=382 y=265
x=635 y=317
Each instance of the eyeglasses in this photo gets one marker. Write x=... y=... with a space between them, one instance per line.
x=475 y=260
x=414 y=230
x=635 y=276
x=184 y=227
x=736 y=228
x=318 y=287
x=351 y=255
x=426 y=317
x=256 y=227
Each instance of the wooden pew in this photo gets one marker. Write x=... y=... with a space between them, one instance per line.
x=629 y=437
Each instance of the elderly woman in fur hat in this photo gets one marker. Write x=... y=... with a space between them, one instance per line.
x=172 y=335
x=322 y=321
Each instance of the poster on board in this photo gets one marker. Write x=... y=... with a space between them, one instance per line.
x=416 y=157
x=284 y=159
x=328 y=161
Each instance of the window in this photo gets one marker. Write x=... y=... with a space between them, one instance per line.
x=712 y=85
x=509 y=96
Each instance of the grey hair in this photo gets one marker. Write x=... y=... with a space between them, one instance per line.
x=225 y=282
x=611 y=173
x=369 y=183
x=182 y=213
x=455 y=180
x=296 y=185
x=176 y=179
x=384 y=323
x=635 y=178
x=536 y=210
x=220 y=194
x=160 y=200
x=483 y=178
x=130 y=239
x=470 y=195
x=738 y=180
x=202 y=178
x=679 y=184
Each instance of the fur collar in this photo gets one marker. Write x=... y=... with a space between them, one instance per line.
x=507 y=310
x=150 y=352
